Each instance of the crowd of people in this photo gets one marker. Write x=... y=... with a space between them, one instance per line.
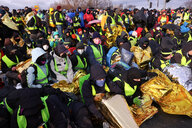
x=102 y=42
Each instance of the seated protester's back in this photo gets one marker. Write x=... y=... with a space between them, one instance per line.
x=95 y=52
x=61 y=64
x=95 y=87
x=78 y=59
x=184 y=56
x=32 y=108
x=38 y=73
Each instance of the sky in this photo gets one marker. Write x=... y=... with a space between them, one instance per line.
x=45 y=4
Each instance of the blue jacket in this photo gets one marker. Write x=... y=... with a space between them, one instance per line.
x=184 y=28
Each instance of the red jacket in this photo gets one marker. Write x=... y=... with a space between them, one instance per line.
x=88 y=17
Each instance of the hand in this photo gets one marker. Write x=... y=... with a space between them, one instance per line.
x=19 y=76
x=13 y=68
x=98 y=97
x=104 y=67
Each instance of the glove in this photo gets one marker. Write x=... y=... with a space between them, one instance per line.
x=137 y=101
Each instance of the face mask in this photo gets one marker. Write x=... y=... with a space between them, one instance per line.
x=42 y=61
x=80 y=51
x=97 y=41
x=158 y=28
x=45 y=47
x=100 y=83
x=29 y=45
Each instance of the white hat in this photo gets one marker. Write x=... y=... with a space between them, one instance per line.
x=36 y=53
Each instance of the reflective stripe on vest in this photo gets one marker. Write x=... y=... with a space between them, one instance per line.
x=190 y=38
x=93 y=28
x=128 y=90
x=120 y=19
x=163 y=19
x=178 y=42
x=10 y=110
x=94 y=91
x=61 y=17
x=186 y=16
x=113 y=24
x=22 y=121
x=18 y=20
x=126 y=19
x=164 y=63
x=80 y=64
x=9 y=62
x=77 y=23
x=98 y=54
x=34 y=26
x=184 y=61
x=41 y=77
x=65 y=70
x=51 y=23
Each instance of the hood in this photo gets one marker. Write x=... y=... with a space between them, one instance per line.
x=87 y=10
x=167 y=43
x=123 y=33
x=55 y=33
x=143 y=41
x=36 y=53
x=186 y=48
x=50 y=10
x=118 y=41
x=97 y=72
x=60 y=48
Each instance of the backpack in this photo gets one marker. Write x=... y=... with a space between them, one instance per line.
x=24 y=76
x=109 y=55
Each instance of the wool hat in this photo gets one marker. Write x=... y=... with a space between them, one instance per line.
x=96 y=35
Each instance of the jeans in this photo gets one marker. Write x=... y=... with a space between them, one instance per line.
x=60 y=30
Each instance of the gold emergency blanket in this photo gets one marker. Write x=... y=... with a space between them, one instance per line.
x=8 y=22
x=117 y=112
x=141 y=57
x=23 y=65
x=145 y=111
x=70 y=87
x=172 y=97
x=111 y=38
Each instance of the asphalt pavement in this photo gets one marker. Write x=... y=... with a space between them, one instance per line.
x=164 y=120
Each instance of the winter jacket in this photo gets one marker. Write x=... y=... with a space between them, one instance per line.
x=32 y=70
x=88 y=17
x=53 y=43
x=91 y=57
x=181 y=55
x=184 y=28
x=29 y=100
x=61 y=64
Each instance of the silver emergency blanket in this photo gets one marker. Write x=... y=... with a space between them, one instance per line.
x=182 y=74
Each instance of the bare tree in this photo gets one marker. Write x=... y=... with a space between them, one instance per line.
x=188 y=4
x=73 y=4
